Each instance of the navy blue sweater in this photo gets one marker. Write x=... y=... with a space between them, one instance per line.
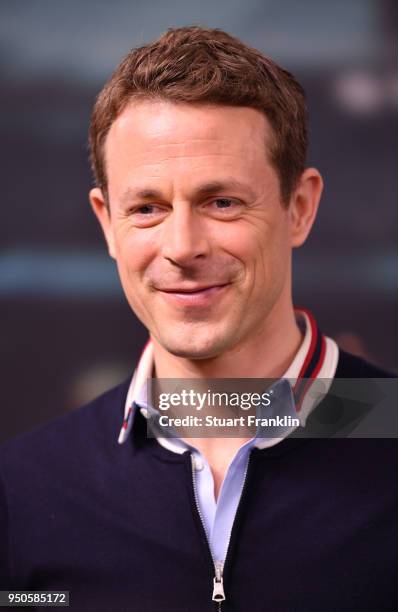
x=117 y=525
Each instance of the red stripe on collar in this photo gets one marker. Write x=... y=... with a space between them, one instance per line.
x=312 y=363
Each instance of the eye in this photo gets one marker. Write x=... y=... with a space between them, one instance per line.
x=225 y=207
x=222 y=203
x=146 y=209
x=145 y=215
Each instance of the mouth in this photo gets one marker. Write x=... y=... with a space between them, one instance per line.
x=198 y=295
x=191 y=288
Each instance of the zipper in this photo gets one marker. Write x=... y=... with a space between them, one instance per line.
x=218 y=580
x=218 y=584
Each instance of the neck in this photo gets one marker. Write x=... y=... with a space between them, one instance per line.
x=266 y=354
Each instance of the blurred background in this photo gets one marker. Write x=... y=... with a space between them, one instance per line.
x=67 y=332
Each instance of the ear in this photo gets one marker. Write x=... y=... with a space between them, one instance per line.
x=303 y=205
x=101 y=211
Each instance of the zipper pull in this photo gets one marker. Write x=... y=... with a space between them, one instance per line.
x=218 y=585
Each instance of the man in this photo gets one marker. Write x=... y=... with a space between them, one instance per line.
x=198 y=147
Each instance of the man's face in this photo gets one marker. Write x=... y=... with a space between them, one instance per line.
x=197 y=227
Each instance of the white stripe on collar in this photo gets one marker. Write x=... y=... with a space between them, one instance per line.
x=137 y=389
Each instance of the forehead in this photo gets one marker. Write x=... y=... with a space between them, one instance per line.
x=162 y=136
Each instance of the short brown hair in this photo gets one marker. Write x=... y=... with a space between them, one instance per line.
x=197 y=65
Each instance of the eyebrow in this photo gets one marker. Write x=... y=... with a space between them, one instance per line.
x=203 y=190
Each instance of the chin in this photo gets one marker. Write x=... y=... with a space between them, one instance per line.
x=190 y=352
x=193 y=348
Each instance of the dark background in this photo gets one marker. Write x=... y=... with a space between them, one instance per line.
x=66 y=331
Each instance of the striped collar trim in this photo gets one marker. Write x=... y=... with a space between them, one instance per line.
x=317 y=357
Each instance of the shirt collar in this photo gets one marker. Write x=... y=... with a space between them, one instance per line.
x=317 y=357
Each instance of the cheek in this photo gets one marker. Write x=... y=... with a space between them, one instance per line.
x=134 y=252
x=240 y=239
x=266 y=253
x=255 y=244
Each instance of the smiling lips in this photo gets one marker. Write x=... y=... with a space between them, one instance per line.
x=193 y=295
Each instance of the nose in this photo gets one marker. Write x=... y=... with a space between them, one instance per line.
x=184 y=237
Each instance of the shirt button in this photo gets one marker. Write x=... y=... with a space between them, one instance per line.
x=199 y=464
